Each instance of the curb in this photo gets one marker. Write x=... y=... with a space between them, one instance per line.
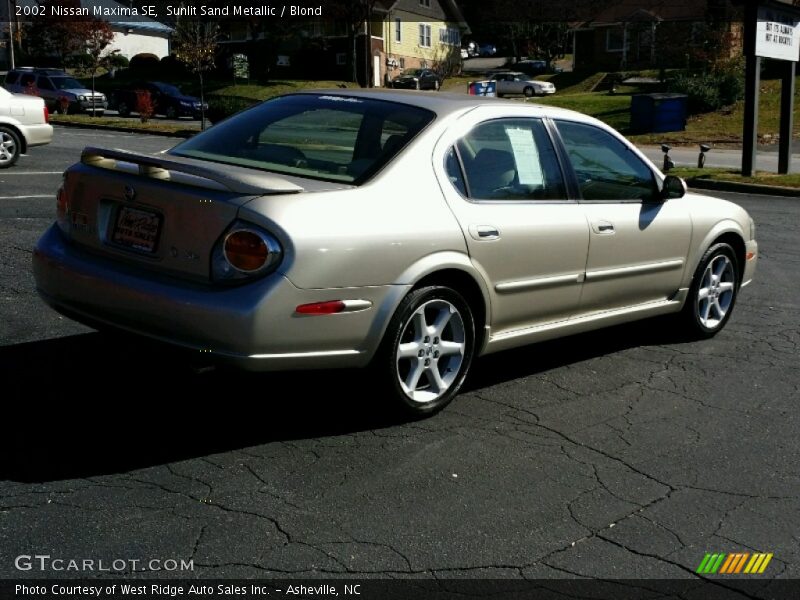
x=178 y=134
x=742 y=188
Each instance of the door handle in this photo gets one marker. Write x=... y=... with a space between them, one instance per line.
x=484 y=232
x=605 y=227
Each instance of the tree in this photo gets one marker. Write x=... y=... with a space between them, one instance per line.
x=195 y=44
x=52 y=36
x=98 y=37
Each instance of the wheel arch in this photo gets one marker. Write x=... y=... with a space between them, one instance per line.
x=22 y=139
x=728 y=232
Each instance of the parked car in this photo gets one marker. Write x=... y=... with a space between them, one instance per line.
x=530 y=67
x=417 y=79
x=404 y=232
x=168 y=100
x=23 y=125
x=487 y=50
x=510 y=82
x=61 y=92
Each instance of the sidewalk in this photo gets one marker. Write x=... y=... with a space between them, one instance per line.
x=726 y=158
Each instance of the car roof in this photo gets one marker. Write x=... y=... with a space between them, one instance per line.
x=442 y=103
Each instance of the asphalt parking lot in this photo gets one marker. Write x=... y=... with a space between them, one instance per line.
x=625 y=453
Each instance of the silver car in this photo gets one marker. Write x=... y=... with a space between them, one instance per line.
x=23 y=124
x=513 y=82
x=404 y=232
x=61 y=92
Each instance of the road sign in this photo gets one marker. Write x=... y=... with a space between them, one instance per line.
x=777 y=34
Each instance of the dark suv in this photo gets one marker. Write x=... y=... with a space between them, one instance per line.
x=168 y=100
x=60 y=92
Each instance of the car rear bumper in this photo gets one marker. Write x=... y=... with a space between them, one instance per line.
x=254 y=326
x=38 y=135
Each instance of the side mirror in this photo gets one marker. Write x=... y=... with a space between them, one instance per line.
x=673 y=187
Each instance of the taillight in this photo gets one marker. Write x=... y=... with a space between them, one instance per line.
x=46 y=114
x=245 y=251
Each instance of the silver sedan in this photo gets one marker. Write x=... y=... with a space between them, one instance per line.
x=404 y=232
x=512 y=82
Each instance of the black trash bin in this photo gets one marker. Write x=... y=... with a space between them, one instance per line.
x=656 y=113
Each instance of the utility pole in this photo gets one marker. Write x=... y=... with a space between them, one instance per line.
x=10 y=34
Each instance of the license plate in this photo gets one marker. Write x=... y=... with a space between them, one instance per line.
x=137 y=229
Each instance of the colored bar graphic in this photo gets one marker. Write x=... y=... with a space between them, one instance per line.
x=734 y=563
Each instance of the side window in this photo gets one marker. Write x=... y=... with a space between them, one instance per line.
x=511 y=159
x=12 y=77
x=27 y=79
x=44 y=84
x=605 y=167
x=454 y=174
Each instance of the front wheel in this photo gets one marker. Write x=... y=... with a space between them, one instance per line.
x=10 y=147
x=427 y=350
x=713 y=292
x=528 y=91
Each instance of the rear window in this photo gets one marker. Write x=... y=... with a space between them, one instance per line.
x=327 y=137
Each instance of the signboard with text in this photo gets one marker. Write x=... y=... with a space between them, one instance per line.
x=777 y=34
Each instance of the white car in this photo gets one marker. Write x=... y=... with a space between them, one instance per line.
x=514 y=82
x=23 y=124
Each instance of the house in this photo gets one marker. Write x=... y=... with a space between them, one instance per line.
x=418 y=34
x=133 y=33
x=639 y=34
x=395 y=35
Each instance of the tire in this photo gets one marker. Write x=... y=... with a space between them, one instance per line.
x=171 y=113
x=10 y=147
x=123 y=109
x=434 y=362
x=713 y=292
x=528 y=91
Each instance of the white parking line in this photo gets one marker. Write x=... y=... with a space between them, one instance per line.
x=33 y=173
x=22 y=197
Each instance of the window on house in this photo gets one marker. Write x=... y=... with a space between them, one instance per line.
x=425 y=3
x=615 y=39
x=402 y=63
x=398 y=30
x=450 y=36
x=424 y=35
x=341 y=58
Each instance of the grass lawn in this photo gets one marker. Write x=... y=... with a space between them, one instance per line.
x=189 y=128
x=275 y=88
x=761 y=178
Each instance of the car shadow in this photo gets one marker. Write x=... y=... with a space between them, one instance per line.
x=95 y=404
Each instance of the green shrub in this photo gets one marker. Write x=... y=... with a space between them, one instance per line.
x=710 y=91
x=222 y=107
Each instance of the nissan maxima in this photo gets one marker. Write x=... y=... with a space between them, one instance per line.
x=401 y=232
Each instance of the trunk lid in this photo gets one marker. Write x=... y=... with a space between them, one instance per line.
x=164 y=213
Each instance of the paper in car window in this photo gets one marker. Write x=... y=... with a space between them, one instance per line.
x=526 y=155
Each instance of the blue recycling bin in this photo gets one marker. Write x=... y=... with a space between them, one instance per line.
x=657 y=113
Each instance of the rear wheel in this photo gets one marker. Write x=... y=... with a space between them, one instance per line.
x=10 y=147
x=427 y=350
x=528 y=91
x=124 y=110
x=171 y=113
x=713 y=292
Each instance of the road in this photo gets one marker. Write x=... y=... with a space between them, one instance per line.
x=626 y=453
x=728 y=158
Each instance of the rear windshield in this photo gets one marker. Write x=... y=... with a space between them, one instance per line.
x=327 y=137
x=67 y=83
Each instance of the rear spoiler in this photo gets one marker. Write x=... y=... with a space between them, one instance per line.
x=188 y=171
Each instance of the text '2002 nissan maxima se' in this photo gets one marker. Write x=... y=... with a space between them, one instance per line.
x=402 y=231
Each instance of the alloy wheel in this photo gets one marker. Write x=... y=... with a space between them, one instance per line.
x=716 y=291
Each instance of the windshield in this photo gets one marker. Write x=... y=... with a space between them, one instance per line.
x=412 y=72
x=328 y=137
x=67 y=83
x=165 y=88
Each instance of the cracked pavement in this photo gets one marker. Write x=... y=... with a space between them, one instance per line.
x=623 y=454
